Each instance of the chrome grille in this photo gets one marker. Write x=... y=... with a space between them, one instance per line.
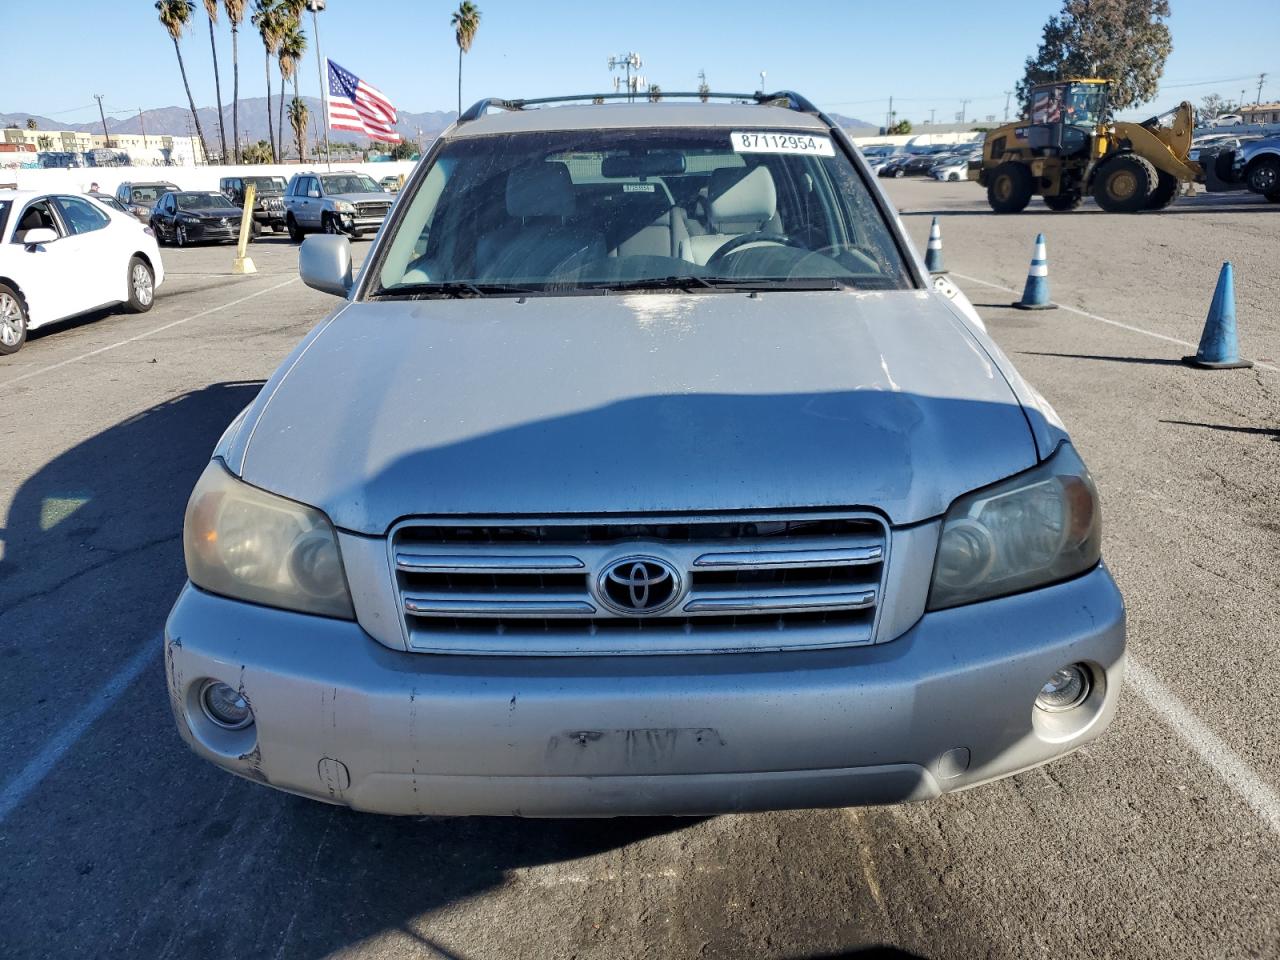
x=372 y=209
x=754 y=583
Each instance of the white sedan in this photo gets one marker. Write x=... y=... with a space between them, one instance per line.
x=63 y=255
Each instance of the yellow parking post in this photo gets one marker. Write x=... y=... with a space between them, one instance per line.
x=242 y=263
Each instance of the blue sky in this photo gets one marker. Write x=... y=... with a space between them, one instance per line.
x=847 y=55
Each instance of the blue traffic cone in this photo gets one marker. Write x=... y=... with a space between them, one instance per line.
x=933 y=256
x=1218 y=349
x=1035 y=295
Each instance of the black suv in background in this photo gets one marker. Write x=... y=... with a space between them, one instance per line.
x=140 y=197
x=268 y=203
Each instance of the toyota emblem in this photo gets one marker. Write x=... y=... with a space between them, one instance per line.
x=638 y=586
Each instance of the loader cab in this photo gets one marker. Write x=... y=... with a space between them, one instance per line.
x=1065 y=116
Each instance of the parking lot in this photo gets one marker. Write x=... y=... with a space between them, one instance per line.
x=1161 y=840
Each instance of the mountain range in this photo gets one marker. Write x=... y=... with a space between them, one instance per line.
x=174 y=121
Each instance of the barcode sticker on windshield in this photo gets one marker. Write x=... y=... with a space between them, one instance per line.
x=747 y=141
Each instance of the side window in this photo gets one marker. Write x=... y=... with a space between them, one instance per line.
x=315 y=187
x=36 y=216
x=80 y=215
x=122 y=193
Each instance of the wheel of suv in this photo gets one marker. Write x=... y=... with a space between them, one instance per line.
x=142 y=286
x=331 y=225
x=1064 y=202
x=13 y=320
x=180 y=235
x=1125 y=183
x=1264 y=177
x=1009 y=189
x=295 y=231
x=1165 y=193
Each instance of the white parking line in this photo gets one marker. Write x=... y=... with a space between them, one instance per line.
x=142 y=336
x=1240 y=777
x=17 y=789
x=1115 y=323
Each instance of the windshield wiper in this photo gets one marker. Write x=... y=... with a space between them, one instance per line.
x=449 y=289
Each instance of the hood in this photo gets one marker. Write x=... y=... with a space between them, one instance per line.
x=362 y=197
x=653 y=403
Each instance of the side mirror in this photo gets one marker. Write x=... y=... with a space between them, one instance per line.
x=324 y=263
x=313 y=194
x=40 y=235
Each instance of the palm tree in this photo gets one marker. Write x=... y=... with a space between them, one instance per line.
x=465 y=22
x=235 y=13
x=266 y=18
x=211 y=8
x=175 y=15
x=31 y=124
x=298 y=120
x=293 y=45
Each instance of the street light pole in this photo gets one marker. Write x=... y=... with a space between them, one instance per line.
x=105 y=135
x=315 y=6
x=1007 y=95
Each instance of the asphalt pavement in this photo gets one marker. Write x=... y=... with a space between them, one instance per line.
x=1161 y=840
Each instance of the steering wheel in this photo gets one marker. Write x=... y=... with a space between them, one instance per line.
x=760 y=236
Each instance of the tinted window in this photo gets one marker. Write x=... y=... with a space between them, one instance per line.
x=349 y=183
x=200 y=201
x=4 y=214
x=264 y=185
x=149 y=193
x=81 y=215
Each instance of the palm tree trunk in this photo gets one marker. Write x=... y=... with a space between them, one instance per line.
x=459 y=80
x=217 y=87
x=271 y=137
x=191 y=100
x=235 y=94
x=280 y=115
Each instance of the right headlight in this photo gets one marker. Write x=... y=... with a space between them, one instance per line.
x=247 y=544
x=1029 y=531
x=344 y=206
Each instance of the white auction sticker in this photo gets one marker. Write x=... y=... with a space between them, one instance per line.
x=763 y=141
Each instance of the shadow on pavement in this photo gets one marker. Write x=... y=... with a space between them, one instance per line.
x=1272 y=432
x=1151 y=361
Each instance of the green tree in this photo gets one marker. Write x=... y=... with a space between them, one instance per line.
x=655 y=93
x=404 y=150
x=211 y=8
x=260 y=152
x=293 y=45
x=298 y=121
x=1214 y=106
x=465 y=22
x=174 y=17
x=235 y=14
x=901 y=128
x=1125 y=41
x=267 y=19
x=31 y=124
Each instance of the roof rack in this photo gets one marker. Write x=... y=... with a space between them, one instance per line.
x=782 y=98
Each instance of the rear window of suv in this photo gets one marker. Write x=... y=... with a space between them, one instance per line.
x=581 y=210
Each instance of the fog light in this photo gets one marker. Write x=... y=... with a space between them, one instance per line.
x=225 y=706
x=1065 y=690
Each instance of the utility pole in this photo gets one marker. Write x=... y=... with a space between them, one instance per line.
x=419 y=142
x=932 y=111
x=888 y=120
x=105 y=135
x=1007 y=95
x=143 y=126
x=964 y=105
x=315 y=6
x=627 y=61
x=1261 y=78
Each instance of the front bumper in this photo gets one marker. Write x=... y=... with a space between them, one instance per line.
x=354 y=223
x=212 y=232
x=946 y=706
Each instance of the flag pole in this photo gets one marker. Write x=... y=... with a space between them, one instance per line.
x=315 y=6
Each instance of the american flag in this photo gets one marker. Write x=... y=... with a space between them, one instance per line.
x=355 y=105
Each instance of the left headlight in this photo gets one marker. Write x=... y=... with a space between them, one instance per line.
x=245 y=543
x=1029 y=531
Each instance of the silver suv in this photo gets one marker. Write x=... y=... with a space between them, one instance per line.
x=342 y=202
x=642 y=470
x=1257 y=166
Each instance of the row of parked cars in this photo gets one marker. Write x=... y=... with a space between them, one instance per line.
x=339 y=202
x=942 y=162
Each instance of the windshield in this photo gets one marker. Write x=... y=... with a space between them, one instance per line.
x=1080 y=105
x=150 y=193
x=266 y=184
x=349 y=183
x=640 y=209
x=201 y=201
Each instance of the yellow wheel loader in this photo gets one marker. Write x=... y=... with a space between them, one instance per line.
x=1068 y=149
